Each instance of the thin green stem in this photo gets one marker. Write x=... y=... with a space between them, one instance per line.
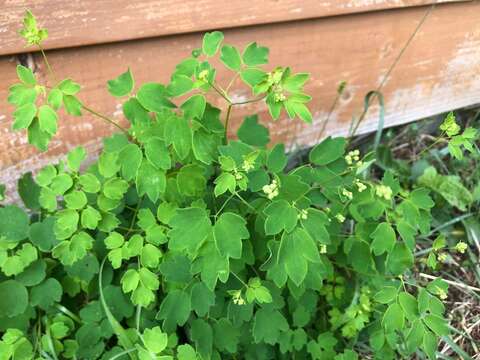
x=239 y=279
x=245 y=202
x=227 y=119
x=134 y=216
x=330 y=112
x=439 y=139
x=223 y=205
x=45 y=355
x=119 y=355
x=106 y=118
x=138 y=317
x=51 y=348
x=50 y=70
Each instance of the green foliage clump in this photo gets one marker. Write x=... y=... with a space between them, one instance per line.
x=181 y=244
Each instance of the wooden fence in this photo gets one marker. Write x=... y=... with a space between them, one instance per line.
x=93 y=41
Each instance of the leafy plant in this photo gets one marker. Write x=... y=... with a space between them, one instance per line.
x=180 y=243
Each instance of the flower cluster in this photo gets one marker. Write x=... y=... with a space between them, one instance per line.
x=271 y=190
x=237 y=297
x=361 y=186
x=347 y=194
x=461 y=247
x=247 y=165
x=384 y=191
x=353 y=157
x=303 y=214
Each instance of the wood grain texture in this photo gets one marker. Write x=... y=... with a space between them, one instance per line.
x=440 y=71
x=86 y=22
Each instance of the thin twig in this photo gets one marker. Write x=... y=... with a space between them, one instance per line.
x=453 y=283
x=392 y=67
x=330 y=112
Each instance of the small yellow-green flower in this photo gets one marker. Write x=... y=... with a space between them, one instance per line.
x=271 y=190
x=361 y=186
x=384 y=191
x=352 y=157
x=203 y=75
x=347 y=194
x=441 y=293
x=442 y=257
x=303 y=214
x=461 y=247
x=247 y=165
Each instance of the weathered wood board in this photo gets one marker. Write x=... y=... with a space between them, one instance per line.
x=86 y=22
x=438 y=72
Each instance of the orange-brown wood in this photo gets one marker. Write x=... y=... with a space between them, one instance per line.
x=440 y=71
x=85 y=22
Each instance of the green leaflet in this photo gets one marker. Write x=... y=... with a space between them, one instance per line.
x=178 y=134
x=231 y=58
x=383 y=239
x=327 y=151
x=280 y=216
x=154 y=97
x=150 y=181
x=253 y=133
x=175 y=309
x=229 y=231
x=255 y=55
x=122 y=85
x=211 y=42
x=190 y=228
x=12 y=214
x=448 y=186
x=296 y=251
x=14 y=298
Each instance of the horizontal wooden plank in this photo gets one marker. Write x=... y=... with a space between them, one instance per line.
x=86 y=22
x=438 y=72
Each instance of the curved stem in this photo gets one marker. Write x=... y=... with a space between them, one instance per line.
x=70 y=314
x=106 y=118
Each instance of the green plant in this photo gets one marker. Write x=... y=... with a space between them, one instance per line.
x=179 y=243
